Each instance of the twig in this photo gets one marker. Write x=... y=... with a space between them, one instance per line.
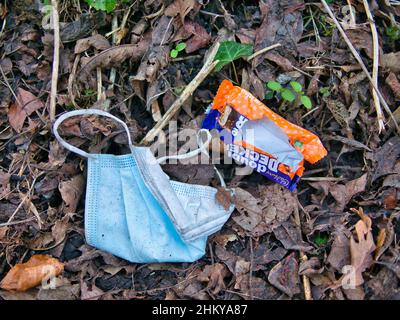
x=359 y=60
x=303 y=257
x=255 y=54
x=208 y=66
x=56 y=60
x=375 y=66
x=113 y=72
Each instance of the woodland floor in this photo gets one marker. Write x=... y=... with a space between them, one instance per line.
x=42 y=186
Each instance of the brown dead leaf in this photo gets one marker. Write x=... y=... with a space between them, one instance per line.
x=96 y=41
x=249 y=209
x=200 y=36
x=112 y=57
x=394 y=84
x=255 y=288
x=214 y=275
x=289 y=235
x=24 y=276
x=339 y=255
x=90 y=291
x=344 y=193
x=6 y=65
x=224 y=197
x=285 y=276
x=60 y=228
x=71 y=191
x=25 y=105
x=391 y=61
x=386 y=157
x=3 y=232
x=181 y=7
x=361 y=250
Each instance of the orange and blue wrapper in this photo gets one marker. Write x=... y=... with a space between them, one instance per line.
x=248 y=108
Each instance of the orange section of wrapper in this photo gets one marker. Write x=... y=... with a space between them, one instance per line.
x=253 y=109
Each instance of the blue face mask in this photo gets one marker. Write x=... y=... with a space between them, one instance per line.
x=134 y=211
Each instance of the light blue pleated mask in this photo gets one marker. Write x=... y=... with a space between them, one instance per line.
x=134 y=211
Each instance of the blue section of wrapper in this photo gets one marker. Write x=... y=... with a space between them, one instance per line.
x=261 y=163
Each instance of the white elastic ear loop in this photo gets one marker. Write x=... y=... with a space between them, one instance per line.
x=74 y=113
x=202 y=147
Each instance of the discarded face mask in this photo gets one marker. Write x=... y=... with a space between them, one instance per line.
x=260 y=138
x=134 y=211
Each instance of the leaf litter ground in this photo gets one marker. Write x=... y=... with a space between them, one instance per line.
x=344 y=213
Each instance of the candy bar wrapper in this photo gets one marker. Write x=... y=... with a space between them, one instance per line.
x=260 y=138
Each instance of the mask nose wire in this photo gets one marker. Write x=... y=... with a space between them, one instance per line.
x=82 y=112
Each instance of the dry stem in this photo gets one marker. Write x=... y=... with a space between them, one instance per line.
x=56 y=60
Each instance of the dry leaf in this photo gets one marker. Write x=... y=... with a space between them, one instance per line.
x=25 y=105
x=391 y=61
x=71 y=191
x=214 y=275
x=249 y=209
x=112 y=57
x=97 y=41
x=224 y=197
x=285 y=276
x=181 y=7
x=24 y=276
x=200 y=36
x=361 y=251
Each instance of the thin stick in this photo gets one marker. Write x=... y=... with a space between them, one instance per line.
x=375 y=66
x=56 y=60
x=359 y=60
x=208 y=66
x=255 y=54
x=303 y=257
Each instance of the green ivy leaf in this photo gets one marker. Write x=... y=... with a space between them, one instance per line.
x=180 y=46
x=274 y=86
x=229 y=51
x=296 y=86
x=104 y=5
x=288 y=95
x=306 y=101
x=173 y=53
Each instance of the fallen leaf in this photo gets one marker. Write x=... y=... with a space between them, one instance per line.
x=285 y=277
x=249 y=209
x=96 y=41
x=24 y=276
x=344 y=193
x=255 y=288
x=6 y=65
x=224 y=197
x=83 y=27
x=200 y=36
x=289 y=235
x=65 y=292
x=361 y=250
x=90 y=292
x=112 y=57
x=339 y=256
x=394 y=84
x=391 y=61
x=71 y=191
x=181 y=7
x=386 y=157
x=25 y=105
x=214 y=275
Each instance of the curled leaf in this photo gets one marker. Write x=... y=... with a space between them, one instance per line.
x=37 y=269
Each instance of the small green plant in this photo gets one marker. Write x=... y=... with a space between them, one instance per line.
x=293 y=92
x=325 y=92
x=104 y=5
x=321 y=239
x=178 y=48
x=393 y=32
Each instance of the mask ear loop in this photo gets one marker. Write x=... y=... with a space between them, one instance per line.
x=202 y=147
x=74 y=113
